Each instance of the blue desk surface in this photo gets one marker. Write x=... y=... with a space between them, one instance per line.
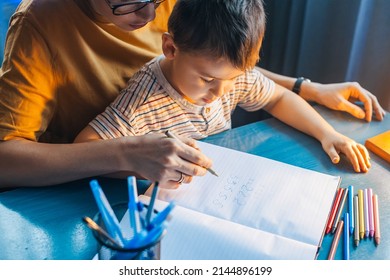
x=45 y=223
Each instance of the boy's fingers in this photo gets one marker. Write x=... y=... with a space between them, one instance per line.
x=357 y=158
x=334 y=156
x=362 y=156
x=365 y=154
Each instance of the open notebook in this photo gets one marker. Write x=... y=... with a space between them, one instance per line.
x=256 y=209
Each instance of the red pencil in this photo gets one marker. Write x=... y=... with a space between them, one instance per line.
x=333 y=211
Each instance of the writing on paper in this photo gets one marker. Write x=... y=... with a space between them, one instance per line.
x=234 y=191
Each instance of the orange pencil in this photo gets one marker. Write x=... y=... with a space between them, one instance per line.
x=377 y=233
x=336 y=239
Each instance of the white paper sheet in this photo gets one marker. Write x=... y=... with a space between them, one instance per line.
x=192 y=235
x=275 y=201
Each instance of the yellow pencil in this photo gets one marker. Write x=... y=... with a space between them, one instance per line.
x=356 y=218
x=361 y=214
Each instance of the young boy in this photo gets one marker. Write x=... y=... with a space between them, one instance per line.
x=206 y=71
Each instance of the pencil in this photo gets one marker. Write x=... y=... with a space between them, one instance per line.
x=151 y=203
x=346 y=236
x=134 y=217
x=361 y=214
x=366 y=219
x=350 y=209
x=332 y=214
x=336 y=239
x=340 y=209
x=377 y=234
x=356 y=212
x=107 y=213
x=94 y=226
x=370 y=213
x=173 y=136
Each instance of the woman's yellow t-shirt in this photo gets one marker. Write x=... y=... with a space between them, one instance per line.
x=62 y=67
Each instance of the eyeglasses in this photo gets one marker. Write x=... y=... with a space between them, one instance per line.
x=131 y=6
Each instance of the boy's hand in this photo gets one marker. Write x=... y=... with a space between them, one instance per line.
x=357 y=154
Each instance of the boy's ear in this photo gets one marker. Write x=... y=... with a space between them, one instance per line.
x=168 y=46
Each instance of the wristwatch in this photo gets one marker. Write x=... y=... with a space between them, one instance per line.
x=297 y=86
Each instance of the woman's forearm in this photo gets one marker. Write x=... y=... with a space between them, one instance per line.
x=27 y=163
x=307 y=92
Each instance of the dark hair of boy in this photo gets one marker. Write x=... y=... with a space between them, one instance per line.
x=231 y=29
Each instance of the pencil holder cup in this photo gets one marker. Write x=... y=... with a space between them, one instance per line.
x=108 y=250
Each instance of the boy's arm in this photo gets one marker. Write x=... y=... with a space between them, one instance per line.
x=87 y=134
x=339 y=96
x=294 y=111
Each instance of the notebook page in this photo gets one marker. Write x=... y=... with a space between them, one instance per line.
x=192 y=235
x=260 y=193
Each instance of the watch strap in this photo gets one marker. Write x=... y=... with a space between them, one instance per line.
x=297 y=85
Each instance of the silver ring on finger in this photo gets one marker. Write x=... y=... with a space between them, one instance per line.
x=181 y=178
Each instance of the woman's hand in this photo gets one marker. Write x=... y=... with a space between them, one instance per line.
x=342 y=97
x=169 y=161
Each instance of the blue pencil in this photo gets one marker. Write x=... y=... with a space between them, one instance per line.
x=108 y=215
x=161 y=216
x=135 y=222
x=346 y=236
x=350 y=209
x=152 y=235
x=151 y=203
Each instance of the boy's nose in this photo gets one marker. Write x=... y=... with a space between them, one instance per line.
x=217 y=91
x=220 y=89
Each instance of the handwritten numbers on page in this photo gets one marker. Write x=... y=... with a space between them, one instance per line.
x=235 y=190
